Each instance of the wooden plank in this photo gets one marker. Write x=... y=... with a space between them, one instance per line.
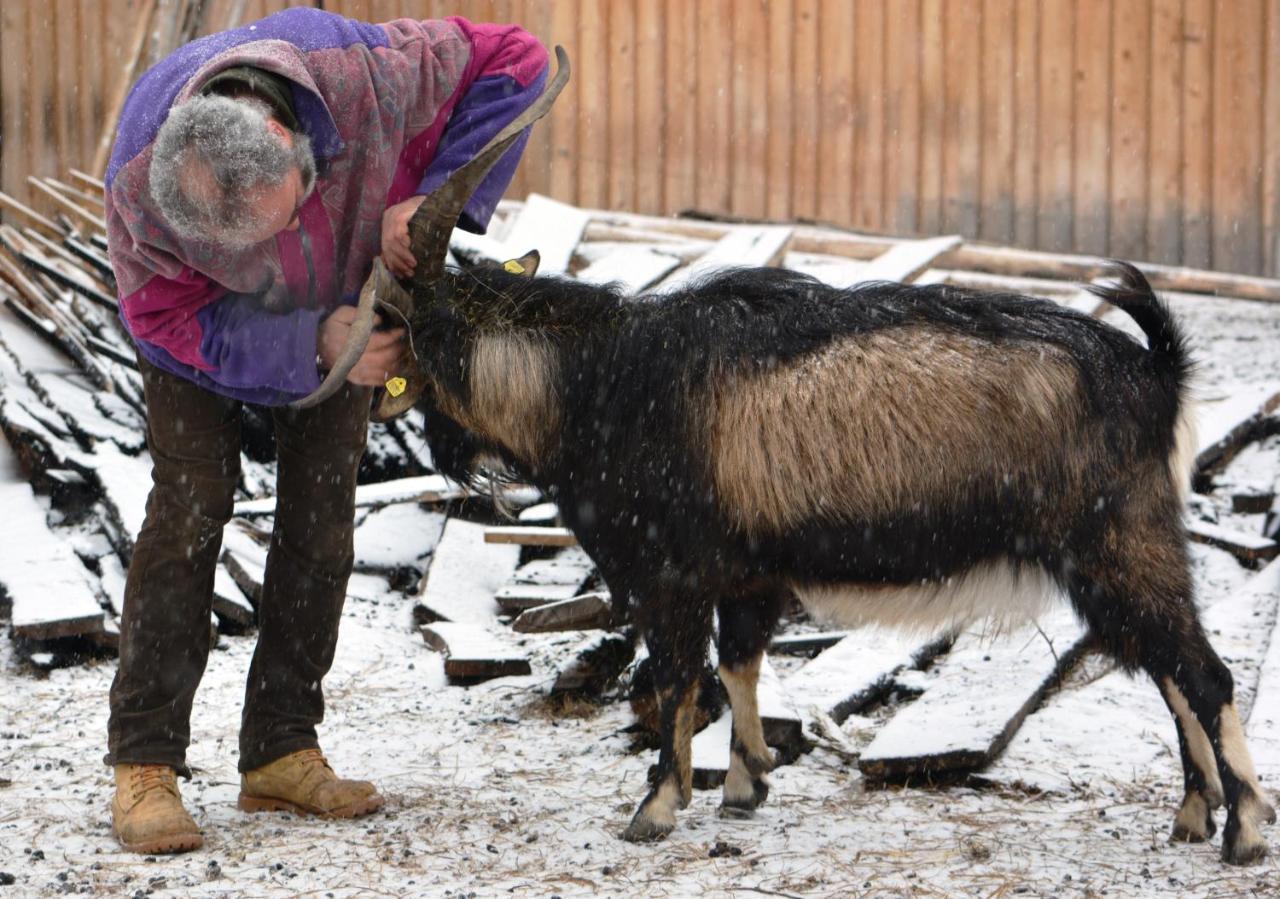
x=590 y=611
x=745 y=246
x=1271 y=145
x=1092 y=85
x=1225 y=425
x=1263 y=724
x=906 y=261
x=43 y=579
x=777 y=93
x=92 y=219
x=544 y=581
x=245 y=561
x=932 y=134
x=962 y=165
x=998 y=121
x=15 y=125
x=593 y=106
x=856 y=671
x=549 y=226
x=808 y=122
x=1130 y=127
x=902 y=117
x=650 y=108
x=680 y=114
x=1197 y=134
x=432 y=488
x=805 y=644
x=232 y=606
x=473 y=654
x=1250 y=549
x=1164 y=177
x=836 y=182
x=465 y=573
x=632 y=268
x=396 y=537
x=714 y=67
x=1026 y=39
x=8 y=202
x=869 y=150
x=748 y=87
x=1056 y=116
x=620 y=116
x=1237 y=166
x=530 y=536
x=563 y=122
x=982 y=692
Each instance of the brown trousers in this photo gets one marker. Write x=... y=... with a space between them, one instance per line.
x=194 y=438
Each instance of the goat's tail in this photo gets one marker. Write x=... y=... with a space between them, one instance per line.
x=1134 y=295
x=1170 y=356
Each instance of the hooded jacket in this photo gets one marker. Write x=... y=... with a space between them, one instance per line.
x=391 y=110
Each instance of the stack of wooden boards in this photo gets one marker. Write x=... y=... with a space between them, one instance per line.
x=522 y=599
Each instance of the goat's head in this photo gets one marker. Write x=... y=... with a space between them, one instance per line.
x=430 y=287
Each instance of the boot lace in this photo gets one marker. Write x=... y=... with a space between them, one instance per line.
x=153 y=777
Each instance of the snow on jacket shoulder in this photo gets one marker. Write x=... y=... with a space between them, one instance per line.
x=391 y=111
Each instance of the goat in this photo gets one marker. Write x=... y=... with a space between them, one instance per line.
x=898 y=454
x=892 y=454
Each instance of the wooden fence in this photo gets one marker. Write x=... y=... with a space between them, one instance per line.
x=1148 y=129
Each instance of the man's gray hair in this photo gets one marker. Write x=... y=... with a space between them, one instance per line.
x=212 y=154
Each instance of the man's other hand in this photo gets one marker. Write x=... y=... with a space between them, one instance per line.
x=395 y=237
x=381 y=359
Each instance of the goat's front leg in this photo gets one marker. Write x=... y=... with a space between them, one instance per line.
x=673 y=785
x=677 y=635
x=745 y=785
x=747 y=619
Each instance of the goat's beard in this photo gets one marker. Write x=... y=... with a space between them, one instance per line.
x=491 y=475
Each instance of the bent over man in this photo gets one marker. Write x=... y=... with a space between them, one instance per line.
x=256 y=175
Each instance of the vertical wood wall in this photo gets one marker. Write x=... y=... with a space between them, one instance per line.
x=1148 y=129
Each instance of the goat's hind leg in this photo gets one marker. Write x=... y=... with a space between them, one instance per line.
x=1139 y=603
x=1202 y=785
x=746 y=623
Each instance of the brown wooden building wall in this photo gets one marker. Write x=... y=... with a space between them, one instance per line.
x=1147 y=129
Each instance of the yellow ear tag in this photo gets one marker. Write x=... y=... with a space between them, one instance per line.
x=514 y=267
x=396 y=386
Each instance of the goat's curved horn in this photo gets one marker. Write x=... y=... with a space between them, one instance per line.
x=379 y=282
x=433 y=222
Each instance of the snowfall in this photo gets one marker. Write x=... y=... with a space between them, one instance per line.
x=499 y=789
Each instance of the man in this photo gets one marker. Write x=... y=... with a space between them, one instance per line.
x=256 y=175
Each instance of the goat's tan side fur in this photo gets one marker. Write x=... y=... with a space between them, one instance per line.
x=855 y=427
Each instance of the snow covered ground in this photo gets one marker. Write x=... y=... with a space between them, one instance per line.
x=492 y=791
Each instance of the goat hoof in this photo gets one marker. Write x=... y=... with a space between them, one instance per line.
x=1244 y=852
x=736 y=812
x=1194 y=822
x=1183 y=834
x=645 y=830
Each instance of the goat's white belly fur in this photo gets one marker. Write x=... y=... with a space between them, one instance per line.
x=1006 y=593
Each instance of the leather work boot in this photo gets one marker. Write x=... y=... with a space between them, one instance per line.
x=303 y=783
x=147 y=814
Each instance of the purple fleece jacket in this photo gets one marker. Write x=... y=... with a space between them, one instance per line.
x=391 y=111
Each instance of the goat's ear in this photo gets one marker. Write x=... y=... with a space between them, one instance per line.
x=526 y=265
